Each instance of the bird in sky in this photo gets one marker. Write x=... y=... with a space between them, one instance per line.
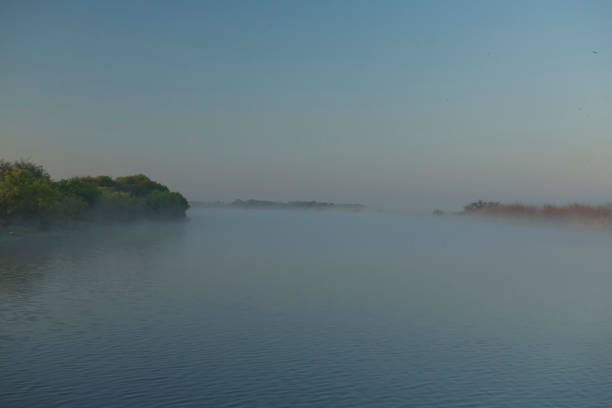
x=595 y=52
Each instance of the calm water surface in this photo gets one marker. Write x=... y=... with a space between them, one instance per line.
x=285 y=308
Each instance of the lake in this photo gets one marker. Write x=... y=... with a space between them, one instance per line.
x=277 y=308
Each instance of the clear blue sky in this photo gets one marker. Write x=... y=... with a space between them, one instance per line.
x=407 y=105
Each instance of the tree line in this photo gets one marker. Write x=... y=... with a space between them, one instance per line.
x=29 y=195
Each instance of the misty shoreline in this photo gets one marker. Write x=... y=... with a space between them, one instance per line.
x=31 y=199
x=289 y=205
x=571 y=214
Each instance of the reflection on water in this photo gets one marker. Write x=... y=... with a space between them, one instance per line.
x=284 y=308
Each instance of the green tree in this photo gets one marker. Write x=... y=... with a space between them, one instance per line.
x=27 y=193
x=37 y=170
x=138 y=185
x=168 y=204
x=24 y=194
x=77 y=187
x=99 y=181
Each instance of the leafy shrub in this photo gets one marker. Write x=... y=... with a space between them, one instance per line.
x=25 y=194
x=70 y=207
x=99 y=181
x=36 y=169
x=138 y=185
x=118 y=205
x=76 y=187
x=166 y=203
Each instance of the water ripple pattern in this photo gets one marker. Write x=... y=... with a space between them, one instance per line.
x=239 y=308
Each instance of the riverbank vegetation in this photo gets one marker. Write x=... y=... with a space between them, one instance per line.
x=575 y=211
x=28 y=196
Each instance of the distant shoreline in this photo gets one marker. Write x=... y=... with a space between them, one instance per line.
x=265 y=204
x=581 y=214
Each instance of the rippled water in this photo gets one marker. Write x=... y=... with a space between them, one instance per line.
x=286 y=308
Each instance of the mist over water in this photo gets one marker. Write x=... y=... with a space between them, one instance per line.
x=299 y=308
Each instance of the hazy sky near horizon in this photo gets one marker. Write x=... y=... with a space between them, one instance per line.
x=405 y=105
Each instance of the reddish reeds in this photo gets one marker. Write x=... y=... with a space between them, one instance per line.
x=575 y=210
x=547 y=211
x=511 y=210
